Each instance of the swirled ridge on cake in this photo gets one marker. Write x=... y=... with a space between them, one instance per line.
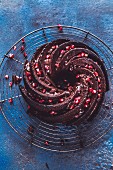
x=65 y=82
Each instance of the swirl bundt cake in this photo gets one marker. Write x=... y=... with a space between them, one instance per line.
x=64 y=82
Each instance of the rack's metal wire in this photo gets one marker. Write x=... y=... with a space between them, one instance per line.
x=58 y=138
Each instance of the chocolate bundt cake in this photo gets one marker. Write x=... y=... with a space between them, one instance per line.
x=64 y=82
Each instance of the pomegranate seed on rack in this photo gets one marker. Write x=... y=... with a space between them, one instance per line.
x=10 y=100
x=99 y=95
x=22 y=48
x=94 y=91
x=77 y=76
x=48 y=56
x=88 y=79
x=82 y=54
x=10 y=84
x=86 y=105
x=41 y=101
x=60 y=27
x=28 y=73
x=14 y=47
x=50 y=100
x=62 y=51
x=25 y=54
x=90 y=67
x=53 y=113
x=57 y=65
x=86 y=55
x=36 y=65
x=6 y=77
x=61 y=100
x=88 y=100
x=98 y=80
x=72 y=46
x=72 y=107
x=76 y=116
x=96 y=74
x=99 y=90
x=46 y=67
x=56 y=46
x=29 y=78
x=53 y=47
x=23 y=40
x=11 y=56
x=90 y=89
x=34 y=85
x=86 y=66
x=46 y=143
x=67 y=47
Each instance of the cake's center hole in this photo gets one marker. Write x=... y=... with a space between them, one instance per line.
x=64 y=79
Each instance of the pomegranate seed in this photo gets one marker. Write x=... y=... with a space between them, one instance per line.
x=88 y=79
x=41 y=101
x=79 y=55
x=36 y=65
x=99 y=95
x=22 y=48
x=88 y=100
x=6 y=77
x=46 y=143
x=100 y=90
x=86 y=66
x=10 y=100
x=61 y=100
x=53 y=47
x=53 y=113
x=28 y=73
x=11 y=56
x=28 y=107
x=57 y=65
x=62 y=51
x=56 y=46
x=25 y=54
x=60 y=27
x=86 y=105
x=48 y=56
x=77 y=76
x=29 y=78
x=23 y=40
x=90 y=67
x=96 y=74
x=86 y=55
x=94 y=91
x=68 y=48
x=46 y=67
x=72 y=46
x=39 y=73
x=76 y=116
x=14 y=48
x=10 y=84
x=90 y=89
x=43 y=90
x=82 y=54
x=34 y=85
x=98 y=79
x=72 y=107
x=50 y=101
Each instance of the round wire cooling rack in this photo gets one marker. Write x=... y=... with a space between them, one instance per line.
x=57 y=137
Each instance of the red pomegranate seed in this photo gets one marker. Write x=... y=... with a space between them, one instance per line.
x=29 y=78
x=25 y=54
x=99 y=90
x=22 y=48
x=86 y=105
x=61 y=100
x=62 y=51
x=43 y=90
x=57 y=65
x=72 y=46
x=99 y=95
x=82 y=54
x=68 y=48
x=6 y=77
x=46 y=67
x=53 y=113
x=96 y=74
x=50 y=100
x=28 y=73
x=11 y=56
x=23 y=40
x=90 y=67
x=41 y=101
x=72 y=107
x=14 y=48
x=53 y=47
x=88 y=79
x=10 y=84
x=98 y=79
x=94 y=91
x=79 y=55
x=28 y=107
x=48 y=56
x=46 y=143
x=76 y=116
x=86 y=66
x=86 y=55
x=90 y=89
x=88 y=100
x=34 y=85
x=60 y=27
x=77 y=76
x=39 y=73
x=56 y=46
x=36 y=65
x=10 y=100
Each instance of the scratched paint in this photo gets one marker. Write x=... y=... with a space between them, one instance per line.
x=20 y=17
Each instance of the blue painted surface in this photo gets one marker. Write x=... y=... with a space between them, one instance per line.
x=20 y=17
